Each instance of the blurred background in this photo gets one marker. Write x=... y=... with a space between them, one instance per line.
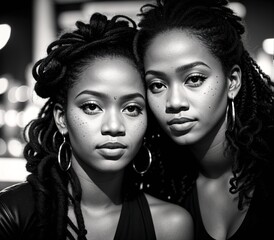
x=26 y=29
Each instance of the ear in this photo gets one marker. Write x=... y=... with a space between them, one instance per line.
x=59 y=117
x=234 y=81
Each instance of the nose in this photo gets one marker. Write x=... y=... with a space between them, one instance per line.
x=113 y=124
x=177 y=99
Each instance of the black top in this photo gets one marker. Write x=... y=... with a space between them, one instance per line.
x=135 y=221
x=258 y=222
x=17 y=217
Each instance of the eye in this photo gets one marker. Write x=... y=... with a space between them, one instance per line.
x=195 y=80
x=133 y=110
x=156 y=87
x=90 y=108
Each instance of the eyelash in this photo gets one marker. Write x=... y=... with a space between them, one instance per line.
x=86 y=107
x=196 y=77
x=136 y=108
x=90 y=108
x=152 y=87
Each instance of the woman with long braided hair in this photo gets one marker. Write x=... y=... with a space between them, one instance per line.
x=212 y=118
x=79 y=149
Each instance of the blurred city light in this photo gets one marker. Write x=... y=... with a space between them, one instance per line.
x=13 y=170
x=4 y=83
x=268 y=46
x=5 y=31
x=238 y=8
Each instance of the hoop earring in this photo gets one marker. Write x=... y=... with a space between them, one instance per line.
x=231 y=108
x=64 y=163
x=149 y=163
x=148 y=153
x=54 y=140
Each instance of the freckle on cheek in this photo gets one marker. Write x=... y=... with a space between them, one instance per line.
x=79 y=122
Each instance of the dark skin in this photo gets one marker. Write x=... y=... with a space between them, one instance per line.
x=179 y=88
x=110 y=114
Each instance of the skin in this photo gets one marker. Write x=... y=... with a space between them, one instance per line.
x=186 y=84
x=185 y=81
x=100 y=112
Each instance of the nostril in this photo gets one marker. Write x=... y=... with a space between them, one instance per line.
x=113 y=129
x=172 y=109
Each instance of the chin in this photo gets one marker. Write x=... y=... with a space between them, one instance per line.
x=183 y=140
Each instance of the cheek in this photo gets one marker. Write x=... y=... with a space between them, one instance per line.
x=135 y=132
x=79 y=128
x=213 y=96
x=157 y=106
x=139 y=129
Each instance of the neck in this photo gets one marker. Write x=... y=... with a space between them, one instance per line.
x=210 y=153
x=99 y=189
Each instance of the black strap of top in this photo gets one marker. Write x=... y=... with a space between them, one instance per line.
x=147 y=218
x=135 y=221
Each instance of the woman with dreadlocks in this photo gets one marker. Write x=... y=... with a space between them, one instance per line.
x=79 y=148
x=214 y=107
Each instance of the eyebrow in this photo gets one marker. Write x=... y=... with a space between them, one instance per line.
x=132 y=95
x=179 y=69
x=104 y=95
x=191 y=65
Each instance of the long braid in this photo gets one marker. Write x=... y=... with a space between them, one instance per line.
x=220 y=30
x=61 y=205
x=77 y=191
x=67 y=57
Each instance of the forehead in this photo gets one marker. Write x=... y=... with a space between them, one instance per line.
x=177 y=47
x=111 y=75
x=173 y=41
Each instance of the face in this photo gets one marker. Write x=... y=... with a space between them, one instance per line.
x=106 y=115
x=186 y=87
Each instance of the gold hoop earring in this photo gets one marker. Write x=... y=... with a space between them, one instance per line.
x=149 y=162
x=64 y=163
x=231 y=108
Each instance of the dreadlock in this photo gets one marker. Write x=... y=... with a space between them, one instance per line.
x=66 y=58
x=220 y=30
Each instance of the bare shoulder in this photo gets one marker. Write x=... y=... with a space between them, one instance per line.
x=171 y=221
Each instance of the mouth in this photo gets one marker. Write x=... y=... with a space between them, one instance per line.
x=179 y=121
x=112 y=150
x=111 y=145
x=181 y=125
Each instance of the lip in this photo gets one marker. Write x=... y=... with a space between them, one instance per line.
x=112 y=150
x=181 y=120
x=112 y=145
x=181 y=125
